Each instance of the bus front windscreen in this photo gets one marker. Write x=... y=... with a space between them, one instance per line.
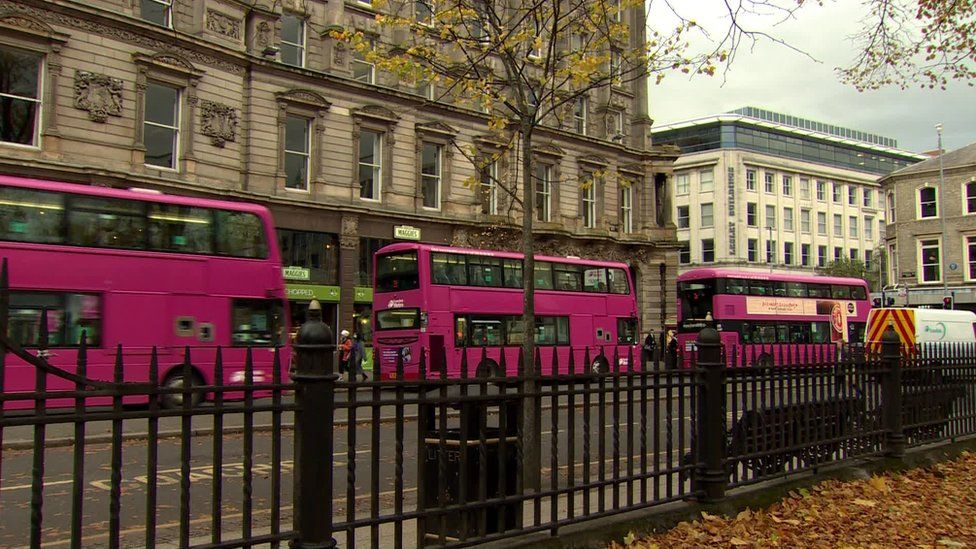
x=397 y=272
x=696 y=299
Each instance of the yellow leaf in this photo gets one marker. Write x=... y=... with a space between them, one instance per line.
x=776 y=519
x=744 y=515
x=738 y=542
x=630 y=538
x=880 y=484
x=706 y=516
x=865 y=502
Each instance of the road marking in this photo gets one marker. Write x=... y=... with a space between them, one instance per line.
x=29 y=486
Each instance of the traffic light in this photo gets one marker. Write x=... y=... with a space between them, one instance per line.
x=889 y=302
x=947 y=302
x=876 y=302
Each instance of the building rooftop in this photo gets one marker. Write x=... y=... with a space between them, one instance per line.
x=812 y=125
x=965 y=156
x=797 y=126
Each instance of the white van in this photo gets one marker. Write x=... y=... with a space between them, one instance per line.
x=921 y=326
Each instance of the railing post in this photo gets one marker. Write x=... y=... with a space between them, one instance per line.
x=894 y=443
x=315 y=381
x=711 y=478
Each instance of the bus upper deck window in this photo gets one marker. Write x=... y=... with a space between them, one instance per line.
x=27 y=215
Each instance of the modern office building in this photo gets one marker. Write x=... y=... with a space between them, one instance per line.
x=758 y=189
x=256 y=101
x=931 y=234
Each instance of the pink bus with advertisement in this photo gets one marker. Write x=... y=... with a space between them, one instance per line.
x=759 y=314
x=427 y=297
x=139 y=269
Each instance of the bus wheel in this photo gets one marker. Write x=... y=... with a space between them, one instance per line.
x=174 y=380
x=764 y=361
x=488 y=368
x=600 y=365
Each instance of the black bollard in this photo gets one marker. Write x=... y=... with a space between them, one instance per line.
x=315 y=381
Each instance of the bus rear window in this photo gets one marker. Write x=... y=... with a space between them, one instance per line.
x=241 y=234
x=618 y=281
x=398 y=319
x=257 y=322
x=397 y=272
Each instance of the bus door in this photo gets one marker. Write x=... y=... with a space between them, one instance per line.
x=437 y=354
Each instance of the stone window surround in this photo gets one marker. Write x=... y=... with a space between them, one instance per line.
x=550 y=156
x=173 y=70
x=918 y=201
x=965 y=203
x=379 y=119
x=25 y=32
x=920 y=271
x=487 y=148
x=314 y=107
x=967 y=258
x=588 y=166
x=638 y=214
x=441 y=134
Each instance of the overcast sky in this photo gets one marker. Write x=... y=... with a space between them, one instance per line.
x=776 y=78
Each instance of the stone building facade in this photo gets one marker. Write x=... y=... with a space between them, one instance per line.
x=931 y=261
x=255 y=101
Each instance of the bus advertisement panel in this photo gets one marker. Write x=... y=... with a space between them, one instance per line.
x=139 y=269
x=469 y=303
x=756 y=313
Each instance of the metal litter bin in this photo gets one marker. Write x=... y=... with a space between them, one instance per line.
x=501 y=470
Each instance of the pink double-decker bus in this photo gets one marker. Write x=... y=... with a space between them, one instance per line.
x=759 y=314
x=139 y=269
x=427 y=298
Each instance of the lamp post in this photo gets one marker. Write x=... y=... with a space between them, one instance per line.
x=943 y=263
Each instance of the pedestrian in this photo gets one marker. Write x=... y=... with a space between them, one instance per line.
x=356 y=359
x=650 y=345
x=345 y=351
x=672 y=349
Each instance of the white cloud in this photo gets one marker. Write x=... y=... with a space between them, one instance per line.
x=775 y=77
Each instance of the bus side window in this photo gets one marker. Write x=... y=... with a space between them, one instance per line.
x=819 y=332
x=796 y=289
x=779 y=289
x=567 y=277
x=68 y=315
x=595 y=279
x=627 y=331
x=27 y=215
x=438 y=269
x=840 y=292
x=461 y=332
x=735 y=286
x=513 y=273
x=543 y=275
x=759 y=287
x=858 y=292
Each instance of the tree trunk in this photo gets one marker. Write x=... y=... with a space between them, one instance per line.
x=531 y=410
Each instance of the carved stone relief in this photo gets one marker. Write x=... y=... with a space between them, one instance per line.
x=339 y=53
x=98 y=94
x=223 y=24
x=218 y=122
x=264 y=34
